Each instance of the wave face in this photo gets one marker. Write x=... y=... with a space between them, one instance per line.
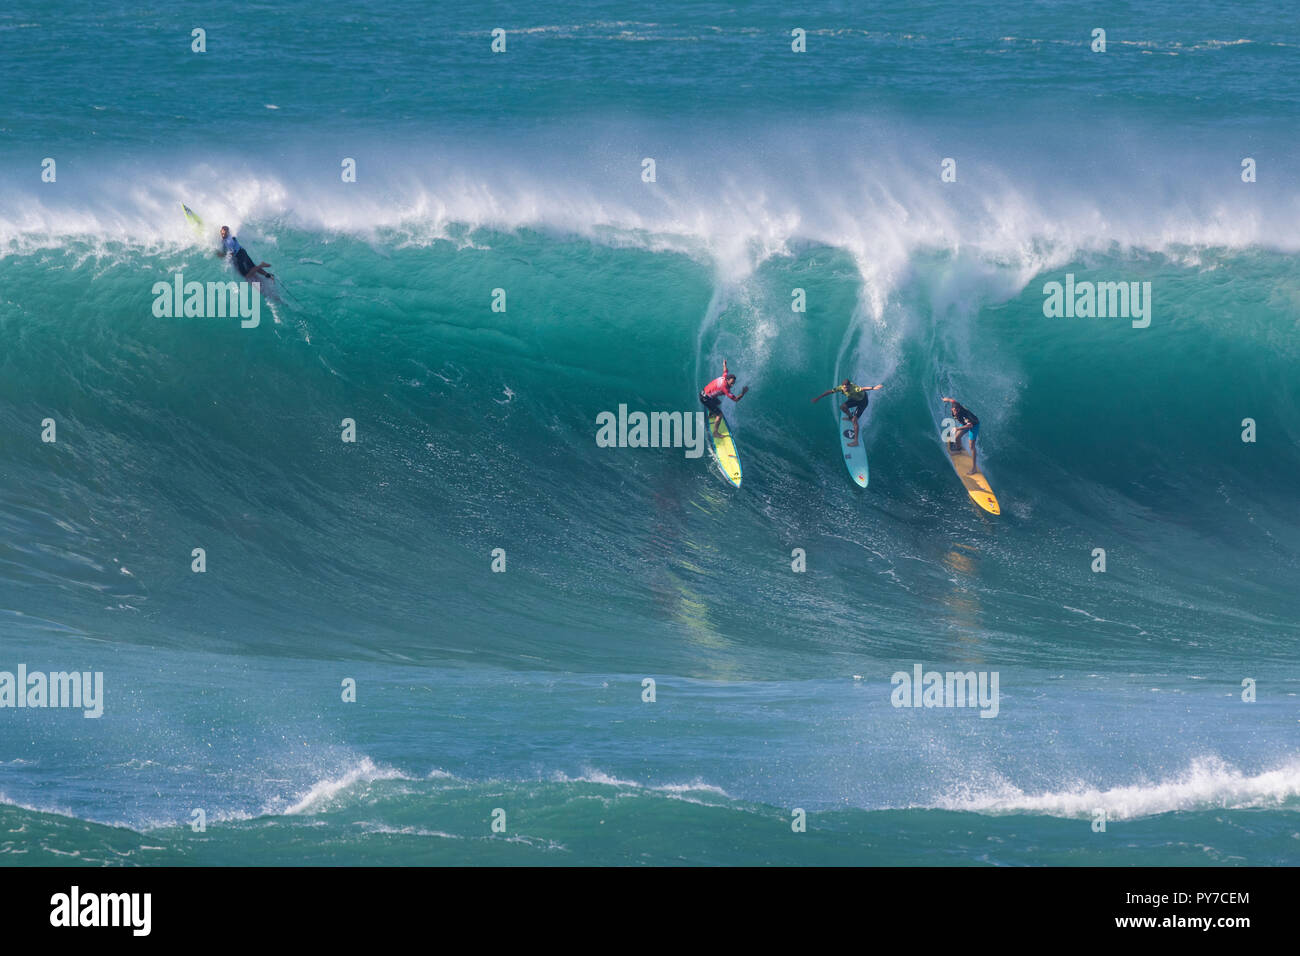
x=476 y=431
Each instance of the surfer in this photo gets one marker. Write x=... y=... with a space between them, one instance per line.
x=855 y=404
x=235 y=252
x=711 y=396
x=967 y=421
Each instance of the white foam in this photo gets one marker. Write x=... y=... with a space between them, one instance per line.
x=363 y=772
x=734 y=203
x=372 y=827
x=1207 y=783
x=57 y=811
x=672 y=789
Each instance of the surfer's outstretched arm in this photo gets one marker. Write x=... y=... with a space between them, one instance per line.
x=823 y=395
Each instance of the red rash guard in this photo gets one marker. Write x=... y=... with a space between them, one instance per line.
x=718 y=387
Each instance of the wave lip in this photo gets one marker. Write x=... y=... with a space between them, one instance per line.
x=324 y=790
x=1207 y=784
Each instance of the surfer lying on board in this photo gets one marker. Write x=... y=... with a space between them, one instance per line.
x=233 y=250
x=969 y=423
x=854 y=406
x=711 y=396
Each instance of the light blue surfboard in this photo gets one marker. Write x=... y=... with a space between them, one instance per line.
x=855 y=459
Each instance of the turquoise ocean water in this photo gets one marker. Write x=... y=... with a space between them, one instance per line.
x=522 y=691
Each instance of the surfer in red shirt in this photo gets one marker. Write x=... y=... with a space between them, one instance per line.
x=711 y=395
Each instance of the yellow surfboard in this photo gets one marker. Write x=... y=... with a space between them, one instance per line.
x=977 y=486
x=724 y=450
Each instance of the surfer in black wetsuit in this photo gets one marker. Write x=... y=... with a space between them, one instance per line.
x=231 y=248
x=967 y=422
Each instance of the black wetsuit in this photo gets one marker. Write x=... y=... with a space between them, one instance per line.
x=237 y=255
x=964 y=417
x=242 y=262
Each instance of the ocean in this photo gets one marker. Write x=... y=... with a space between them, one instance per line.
x=474 y=635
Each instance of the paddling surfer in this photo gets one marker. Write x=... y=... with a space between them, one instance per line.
x=231 y=248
